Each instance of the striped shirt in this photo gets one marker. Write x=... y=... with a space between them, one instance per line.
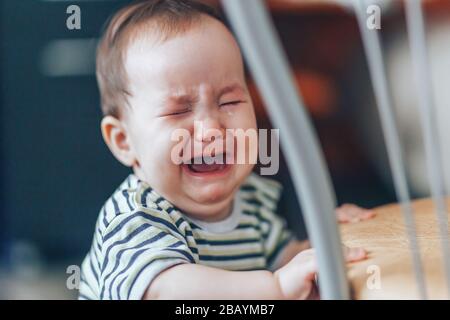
x=139 y=234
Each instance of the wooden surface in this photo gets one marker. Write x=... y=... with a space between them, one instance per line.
x=385 y=238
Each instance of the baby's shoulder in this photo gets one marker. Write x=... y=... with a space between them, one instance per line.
x=134 y=199
x=122 y=201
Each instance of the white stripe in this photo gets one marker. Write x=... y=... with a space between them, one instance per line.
x=235 y=249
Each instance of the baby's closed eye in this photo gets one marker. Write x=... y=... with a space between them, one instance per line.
x=231 y=103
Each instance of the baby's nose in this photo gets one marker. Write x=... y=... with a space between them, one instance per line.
x=208 y=129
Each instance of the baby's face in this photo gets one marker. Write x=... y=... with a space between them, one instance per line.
x=193 y=80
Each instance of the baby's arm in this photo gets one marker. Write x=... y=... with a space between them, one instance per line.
x=193 y=281
x=294 y=279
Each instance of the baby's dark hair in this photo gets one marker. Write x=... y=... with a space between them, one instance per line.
x=165 y=18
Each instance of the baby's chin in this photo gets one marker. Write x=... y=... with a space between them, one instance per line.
x=210 y=193
x=215 y=192
x=212 y=204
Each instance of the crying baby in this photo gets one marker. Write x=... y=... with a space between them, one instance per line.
x=188 y=222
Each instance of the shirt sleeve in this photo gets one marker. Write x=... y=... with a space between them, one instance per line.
x=136 y=248
x=89 y=273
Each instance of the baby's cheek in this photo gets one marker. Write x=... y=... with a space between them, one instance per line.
x=155 y=154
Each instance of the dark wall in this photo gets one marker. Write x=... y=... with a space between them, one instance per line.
x=56 y=170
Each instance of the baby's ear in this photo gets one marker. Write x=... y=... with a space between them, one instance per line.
x=116 y=137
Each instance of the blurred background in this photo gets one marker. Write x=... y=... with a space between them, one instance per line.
x=56 y=171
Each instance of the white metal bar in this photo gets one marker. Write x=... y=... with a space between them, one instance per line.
x=375 y=60
x=419 y=55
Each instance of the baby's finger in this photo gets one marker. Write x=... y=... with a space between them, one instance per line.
x=346 y=213
x=354 y=254
x=307 y=260
x=352 y=213
x=310 y=269
x=368 y=214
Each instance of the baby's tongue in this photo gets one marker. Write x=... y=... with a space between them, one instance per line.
x=205 y=167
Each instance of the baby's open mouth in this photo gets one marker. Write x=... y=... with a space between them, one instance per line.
x=206 y=164
x=200 y=168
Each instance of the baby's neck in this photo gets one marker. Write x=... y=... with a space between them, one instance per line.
x=224 y=224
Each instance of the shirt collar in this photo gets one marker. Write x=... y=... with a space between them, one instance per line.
x=151 y=199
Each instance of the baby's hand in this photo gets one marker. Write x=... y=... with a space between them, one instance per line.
x=352 y=213
x=297 y=278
